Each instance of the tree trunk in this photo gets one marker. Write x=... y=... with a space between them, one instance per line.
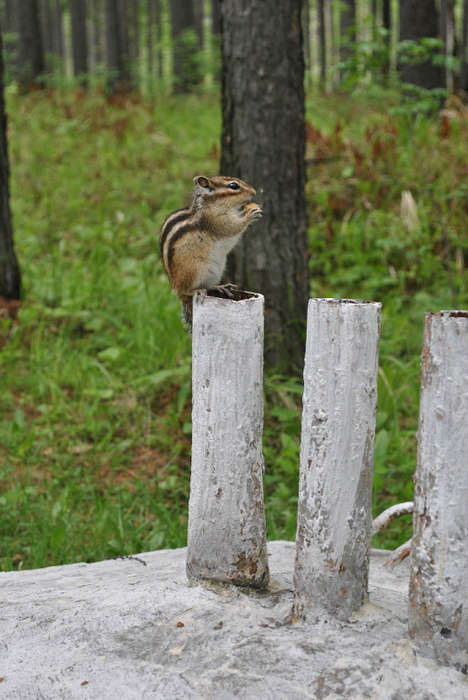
x=11 y=28
x=375 y=26
x=58 y=26
x=347 y=29
x=79 y=43
x=322 y=37
x=149 y=43
x=96 y=47
x=112 y=45
x=117 y=46
x=31 y=55
x=10 y=279
x=153 y=42
x=134 y=25
x=306 y=36
x=47 y=23
x=124 y=43
x=263 y=143
x=9 y=16
x=198 y=15
x=184 y=46
x=447 y=34
x=158 y=35
x=418 y=19
x=386 y=14
x=464 y=48
x=216 y=38
x=387 y=24
x=374 y=17
x=91 y=27
x=215 y=17
x=332 y=40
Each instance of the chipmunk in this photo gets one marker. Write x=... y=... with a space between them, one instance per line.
x=196 y=240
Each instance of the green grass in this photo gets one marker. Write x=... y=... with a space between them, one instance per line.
x=95 y=374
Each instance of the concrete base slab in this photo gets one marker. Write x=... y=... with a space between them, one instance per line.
x=135 y=628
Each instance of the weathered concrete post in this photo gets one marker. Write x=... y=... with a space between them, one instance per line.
x=226 y=529
x=438 y=592
x=338 y=424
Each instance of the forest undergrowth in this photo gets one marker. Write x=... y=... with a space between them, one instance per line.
x=95 y=369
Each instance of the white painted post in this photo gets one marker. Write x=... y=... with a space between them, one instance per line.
x=438 y=593
x=226 y=529
x=338 y=427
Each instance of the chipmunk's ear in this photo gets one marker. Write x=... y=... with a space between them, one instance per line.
x=202 y=181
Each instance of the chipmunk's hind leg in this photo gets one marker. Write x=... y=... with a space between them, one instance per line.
x=187 y=316
x=187 y=308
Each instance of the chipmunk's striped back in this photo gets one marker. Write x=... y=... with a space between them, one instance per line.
x=170 y=227
x=196 y=240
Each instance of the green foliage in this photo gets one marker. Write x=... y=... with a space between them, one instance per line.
x=369 y=56
x=416 y=101
x=367 y=72
x=413 y=52
x=188 y=59
x=281 y=452
x=95 y=408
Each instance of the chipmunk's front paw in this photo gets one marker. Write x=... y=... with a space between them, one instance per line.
x=253 y=211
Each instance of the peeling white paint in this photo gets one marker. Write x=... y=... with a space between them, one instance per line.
x=338 y=425
x=226 y=531
x=438 y=595
x=114 y=625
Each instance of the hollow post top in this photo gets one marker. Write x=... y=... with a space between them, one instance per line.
x=447 y=314
x=212 y=296
x=335 y=301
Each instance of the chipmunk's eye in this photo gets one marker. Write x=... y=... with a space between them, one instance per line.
x=234 y=186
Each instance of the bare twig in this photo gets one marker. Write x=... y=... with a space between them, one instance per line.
x=399 y=553
x=384 y=519
x=390 y=514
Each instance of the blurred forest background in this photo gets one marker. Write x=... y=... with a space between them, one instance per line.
x=113 y=106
